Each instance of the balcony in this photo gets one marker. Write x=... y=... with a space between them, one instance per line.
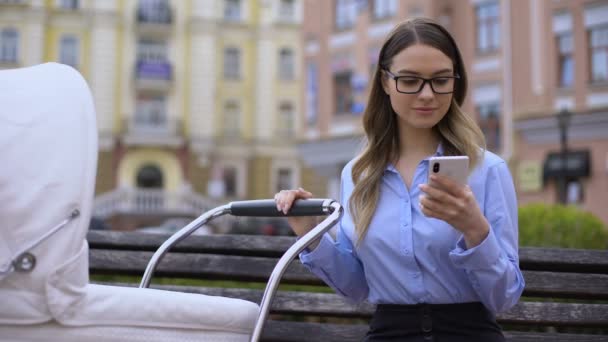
x=153 y=76
x=147 y=131
x=155 y=22
x=150 y=201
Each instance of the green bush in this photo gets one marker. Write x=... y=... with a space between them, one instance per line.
x=542 y=225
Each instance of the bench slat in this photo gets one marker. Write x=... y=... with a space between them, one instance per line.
x=209 y=266
x=531 y=258
x=302 y=331
x=329 y=304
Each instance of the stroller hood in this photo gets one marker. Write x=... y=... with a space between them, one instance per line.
x=48 y=157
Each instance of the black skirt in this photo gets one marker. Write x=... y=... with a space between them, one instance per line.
x=466 y=322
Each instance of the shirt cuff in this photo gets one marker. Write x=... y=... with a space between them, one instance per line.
x=323 y=250
x=482 y=256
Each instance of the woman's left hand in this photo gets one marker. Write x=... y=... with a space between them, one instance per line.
x=455 y=204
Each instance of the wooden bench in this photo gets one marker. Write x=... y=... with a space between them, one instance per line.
x=566 y=295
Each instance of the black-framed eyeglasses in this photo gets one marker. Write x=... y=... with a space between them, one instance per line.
x=414 y=84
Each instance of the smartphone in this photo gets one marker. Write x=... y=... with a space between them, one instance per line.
x=454 y=167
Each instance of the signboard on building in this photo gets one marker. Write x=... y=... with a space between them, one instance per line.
x=529 y=176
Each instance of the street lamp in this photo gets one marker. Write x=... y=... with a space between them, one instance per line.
x=563 y=121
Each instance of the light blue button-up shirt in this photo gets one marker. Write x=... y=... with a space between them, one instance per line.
x=408 y=258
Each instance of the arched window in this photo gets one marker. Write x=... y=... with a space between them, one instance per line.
x=286 y=64
x=9 y=45
x=150 y=176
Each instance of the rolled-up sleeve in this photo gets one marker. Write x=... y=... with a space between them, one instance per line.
x=493 y=266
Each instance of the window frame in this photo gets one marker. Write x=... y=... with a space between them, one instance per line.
x=490 y=25
x=592 y=50
x=232 y=63
x=69 y=54
x=9 y=45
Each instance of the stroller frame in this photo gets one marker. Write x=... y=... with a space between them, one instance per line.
x=259 y=208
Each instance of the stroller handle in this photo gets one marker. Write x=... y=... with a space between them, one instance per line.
x=268 y=208
x=309 y=207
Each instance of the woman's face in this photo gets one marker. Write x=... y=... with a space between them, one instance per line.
x=424 y=109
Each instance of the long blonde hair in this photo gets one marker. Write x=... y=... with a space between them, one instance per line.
x=460 y=134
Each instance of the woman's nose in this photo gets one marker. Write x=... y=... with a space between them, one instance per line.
x=426 y=91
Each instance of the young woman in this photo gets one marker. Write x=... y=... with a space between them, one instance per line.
x=439 y=258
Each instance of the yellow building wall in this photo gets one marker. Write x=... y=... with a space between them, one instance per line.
x=53 y=37
x=166 y=161
x=199 y=176
x=105 y=173
x=258 y=178
x=238 y=89
x=313 y=182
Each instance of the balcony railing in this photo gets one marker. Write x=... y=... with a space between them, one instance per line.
x=154 y=22
x=154 y=16
x=150 y=201
x=156 y=76
x=162 y=131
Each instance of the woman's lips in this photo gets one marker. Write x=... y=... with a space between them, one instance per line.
x=424 y=110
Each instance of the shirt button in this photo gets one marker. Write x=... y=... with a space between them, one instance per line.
x=406 y=251
x=416 y=275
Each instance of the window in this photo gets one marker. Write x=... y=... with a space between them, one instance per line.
x=284 y=179
x=232 y=10
x=151 y=111
x=565 y=48
x=151 y=51
x=232 y=63
x=488 y=27
x=287 y=10
x=574 y=191
x=68 y=51
x=9 y=45
x=150 y=176
x=489 y=121
x=343 y=93
x=385 y=8
x=154 y=11
x=286 y=64
x=229 y=178
x=599 y=53
x=346 y=14
x=68 y=4
x=232 y=120
x=312 y=94
x=286 y=120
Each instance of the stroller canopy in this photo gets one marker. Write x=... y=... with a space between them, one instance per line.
x=48 y=157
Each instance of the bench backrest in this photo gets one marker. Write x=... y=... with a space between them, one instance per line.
x=577 y=278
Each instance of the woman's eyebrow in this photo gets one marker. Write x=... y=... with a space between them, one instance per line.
x=411 y=72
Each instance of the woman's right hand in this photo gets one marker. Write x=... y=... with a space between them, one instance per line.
x=284 y=199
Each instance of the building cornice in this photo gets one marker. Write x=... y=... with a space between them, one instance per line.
x=588 y=126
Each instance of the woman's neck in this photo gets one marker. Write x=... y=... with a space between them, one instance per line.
x=416 y=142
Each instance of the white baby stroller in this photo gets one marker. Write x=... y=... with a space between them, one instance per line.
x=48 y=157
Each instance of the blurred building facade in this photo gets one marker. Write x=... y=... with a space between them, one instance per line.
x=527 y=61
x=196 y=100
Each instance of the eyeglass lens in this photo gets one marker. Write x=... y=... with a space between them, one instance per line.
x=439 y=85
